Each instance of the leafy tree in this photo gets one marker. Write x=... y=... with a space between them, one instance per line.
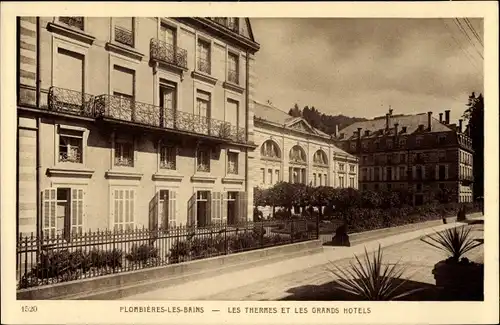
x=295 y=111
x=474 y=115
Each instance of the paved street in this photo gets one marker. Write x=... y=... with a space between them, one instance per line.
x=308 y=278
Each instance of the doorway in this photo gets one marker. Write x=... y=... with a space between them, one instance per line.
x=202 y=208
x=231 y=208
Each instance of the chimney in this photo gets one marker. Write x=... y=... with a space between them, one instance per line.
x=336 y=129
x=390 y=111
x=387 y=121
x=396 y=130
x=447 y=116
x=403 y=129
x=429 y=120
x=440 y=117
x=420 y=127
x=460 y=125
x=359 y=132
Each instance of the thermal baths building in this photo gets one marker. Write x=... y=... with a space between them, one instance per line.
x=129 y=122
x=290 y=150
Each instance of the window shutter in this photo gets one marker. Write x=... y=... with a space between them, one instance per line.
x=77 y=211
x=191 y=221
x=172 y=209
x=414 y=172
x=446 y=172
x=153 y=212
x=209 y=208
x=49 y=197
x=242 y=206
x=224 y=198
x=436 y=172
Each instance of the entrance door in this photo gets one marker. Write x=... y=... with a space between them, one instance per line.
x=203 y=208
x=232 y=208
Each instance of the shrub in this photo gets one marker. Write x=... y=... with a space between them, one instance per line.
x=206 y=247
x=179 y=252
x=242 y=241
x=259 y=232
x=142 y=253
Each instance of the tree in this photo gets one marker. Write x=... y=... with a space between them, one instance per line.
x=474 y=115
x=295 y=111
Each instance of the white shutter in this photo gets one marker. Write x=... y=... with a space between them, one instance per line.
x=172 y=209
x=49 y=198
x=154 y=213
x=223 y=207
x=77 y=210
x=446 y=172
x=216 y=208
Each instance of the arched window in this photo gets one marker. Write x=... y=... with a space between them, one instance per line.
x=320 y=158
x=270 y=149
x=297 y=155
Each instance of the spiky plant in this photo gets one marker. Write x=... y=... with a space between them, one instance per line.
x=456 y=242
x=373 y=280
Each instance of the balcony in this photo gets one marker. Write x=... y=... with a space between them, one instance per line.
x=118 y=108
x=76 y=22
x=124 y=36
x=466 y=179
x=167 y=53
x=70 y=102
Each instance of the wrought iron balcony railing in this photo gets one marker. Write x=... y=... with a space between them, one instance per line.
x=232 y=76
x=204 y=65
x=120 y=108
x=73 y=21
x=125 y=109
x=70 y=102
x=124 y=36
x=74 y=156
x=203 y=168
x=124 y=161
x=163 y=51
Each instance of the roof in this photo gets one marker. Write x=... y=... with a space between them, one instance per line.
x=411 y=122
x=274 y=115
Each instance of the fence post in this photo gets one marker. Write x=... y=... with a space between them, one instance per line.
x=225 y=240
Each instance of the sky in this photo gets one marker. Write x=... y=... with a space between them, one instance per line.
x=360 y=66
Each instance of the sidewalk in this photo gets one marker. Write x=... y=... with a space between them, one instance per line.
x=202 y=289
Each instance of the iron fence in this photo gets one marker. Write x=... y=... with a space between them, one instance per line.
x=163 y=51
x=70 y=102
x=47 y=260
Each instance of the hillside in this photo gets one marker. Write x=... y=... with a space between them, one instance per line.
x=323 y=122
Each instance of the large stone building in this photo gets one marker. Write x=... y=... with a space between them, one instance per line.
x=415 y=152
x=129 y=122
x=290 y=150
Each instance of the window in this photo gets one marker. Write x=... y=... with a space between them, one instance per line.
x=202 y=111
x=270 y=149
x=364 y=173
x=167 y=209
x=389 y=173
x=402 y=173
x=389 y=143
x=341 y=167
x=203 y=49
x=351 y=182
x=232 y=163
x=353 y=145
x=389 y=159
x=233 y=68
x=123 y=211
x=419 y=172
x=377 y=144
x=365 y=159
x=442 y=155
x=70 y=146
x=365 y=144
x=124 y=153
x=168 y=157
x=122 y=105
x=377 y=173
x=124 y=30
x=376 y=186
x=320 y=180
x=341 y=181
x=168 y=103
x=270 y=174
x=168 y=35
x=389 y=187
x=442 y=172
x=402 y=142
x=297 y=155
x=419 y=187
x=418 y=141
x=442 y=139
x=319 y=158
x=62 y=212
x=232 y=23
x=69 y=74
x=352 y=168
x=263 y=174
x=232 y=112
x=203 y=160
x=278 y=178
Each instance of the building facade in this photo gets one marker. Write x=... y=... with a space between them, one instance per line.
x=414 y=152
x=290 y=150
x=128 y=122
